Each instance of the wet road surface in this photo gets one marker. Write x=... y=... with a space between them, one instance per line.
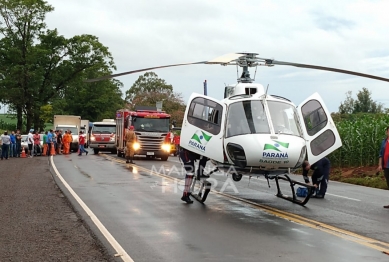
x=144 y=213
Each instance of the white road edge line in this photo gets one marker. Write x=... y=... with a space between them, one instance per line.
x=344 y=197
x=123 y=254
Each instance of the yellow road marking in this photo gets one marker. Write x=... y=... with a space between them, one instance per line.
x=368 y=242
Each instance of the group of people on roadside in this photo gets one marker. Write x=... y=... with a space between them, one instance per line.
x=11 y=144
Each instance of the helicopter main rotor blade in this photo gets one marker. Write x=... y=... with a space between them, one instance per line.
x=274 y=62
x=139 y=70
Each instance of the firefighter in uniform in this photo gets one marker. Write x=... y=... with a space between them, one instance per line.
x=130 y=139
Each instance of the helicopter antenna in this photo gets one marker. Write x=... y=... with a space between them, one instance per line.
x=255 y=73
x=266 y=90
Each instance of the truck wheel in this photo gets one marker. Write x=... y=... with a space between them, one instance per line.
x=164 y=158
x=96 y=151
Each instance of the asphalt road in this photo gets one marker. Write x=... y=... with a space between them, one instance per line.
x=144 y=214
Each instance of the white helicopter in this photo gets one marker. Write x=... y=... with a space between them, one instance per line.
x=253 y=133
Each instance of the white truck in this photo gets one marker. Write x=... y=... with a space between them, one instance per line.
x=66 y=123
x=85 y=130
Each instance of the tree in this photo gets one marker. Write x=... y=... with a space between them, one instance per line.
x=363 y=104
x=38 y=64
x=347 y=107
x=94 y=101
x=148 y=89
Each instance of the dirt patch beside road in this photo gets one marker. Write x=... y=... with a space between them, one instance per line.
x=37 y=221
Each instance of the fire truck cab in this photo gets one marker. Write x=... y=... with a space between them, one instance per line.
x=151 y=128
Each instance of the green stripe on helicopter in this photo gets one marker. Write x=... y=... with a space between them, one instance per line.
x=276 y=145
x=201 y=137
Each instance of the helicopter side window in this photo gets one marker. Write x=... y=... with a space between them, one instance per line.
x=322 y=142
x=204 y=114
x=315 y=119
x=284 y=118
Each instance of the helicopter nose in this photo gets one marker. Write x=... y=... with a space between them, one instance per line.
x=237 y=154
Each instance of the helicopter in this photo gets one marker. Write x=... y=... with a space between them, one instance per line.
x=252 y=133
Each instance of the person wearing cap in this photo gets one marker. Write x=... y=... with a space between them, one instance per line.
x=130 y=139
x=30 y=142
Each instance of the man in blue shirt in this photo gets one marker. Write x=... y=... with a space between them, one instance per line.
x=12 y=148
x=49 y=142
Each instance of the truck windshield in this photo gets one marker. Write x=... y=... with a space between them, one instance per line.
x=104 y=129
x=151 y=124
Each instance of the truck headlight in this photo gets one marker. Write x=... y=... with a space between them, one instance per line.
x=92 y=138
x=166 y=147
x=136 y=146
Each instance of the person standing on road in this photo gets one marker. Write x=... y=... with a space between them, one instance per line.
x=12 y=145
x=30 y=142
x=49 y=142
x=6 y=140
x=37 y=143
x=320 y=175
x=81 y=143
x=130 y=139
x=188 y=159
x=18 y=138
x=59 y=142
x=383 y=160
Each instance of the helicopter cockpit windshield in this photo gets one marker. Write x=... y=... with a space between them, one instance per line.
x=247 y=117
x=284 y=118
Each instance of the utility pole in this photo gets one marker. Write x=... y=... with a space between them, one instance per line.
x=205 y=87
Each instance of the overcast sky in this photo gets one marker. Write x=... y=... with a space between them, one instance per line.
x=351 y=35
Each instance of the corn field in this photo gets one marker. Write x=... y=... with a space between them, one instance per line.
x=361 y=137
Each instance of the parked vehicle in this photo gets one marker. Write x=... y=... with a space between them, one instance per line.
x=24 y=144
x=68 y=122
x=103 y=136
x=151 y=128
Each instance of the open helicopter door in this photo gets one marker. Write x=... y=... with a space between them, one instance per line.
x=203 y=127
x=319 y=129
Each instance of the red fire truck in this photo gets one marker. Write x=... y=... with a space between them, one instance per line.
x=151 y=128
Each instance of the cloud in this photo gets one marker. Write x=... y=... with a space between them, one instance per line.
x=347 y=34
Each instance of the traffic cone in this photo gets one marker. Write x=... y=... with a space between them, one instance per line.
x=23 y=153
x=52 y=150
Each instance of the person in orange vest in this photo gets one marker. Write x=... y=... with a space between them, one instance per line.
x=45 y=144
x=66 y=143
x=130 y=139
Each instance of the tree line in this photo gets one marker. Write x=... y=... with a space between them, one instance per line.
x=43 y=73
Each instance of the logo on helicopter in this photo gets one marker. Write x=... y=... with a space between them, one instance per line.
x=275 y=147
x=199 y=140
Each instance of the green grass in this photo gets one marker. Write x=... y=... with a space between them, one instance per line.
x=11 y=119
x=7 y=118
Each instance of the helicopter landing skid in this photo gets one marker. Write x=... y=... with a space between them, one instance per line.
x=205 y=186
x=292 y=183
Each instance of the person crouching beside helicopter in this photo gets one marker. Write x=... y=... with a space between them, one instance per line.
x=320 y=175
x=188 y=158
